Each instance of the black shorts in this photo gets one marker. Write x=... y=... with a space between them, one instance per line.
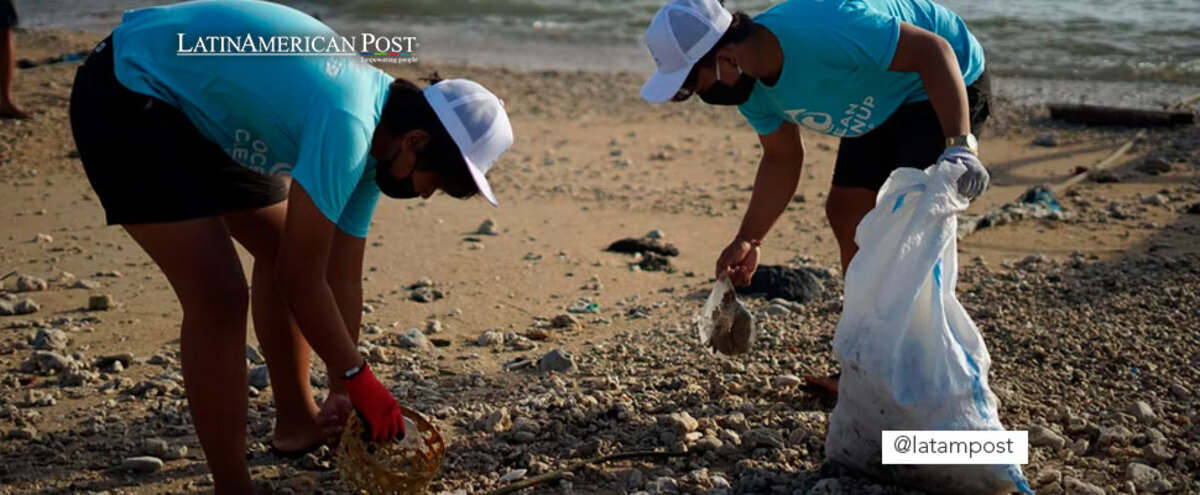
x=145 y=159
x=8 y=15
x=911 y=137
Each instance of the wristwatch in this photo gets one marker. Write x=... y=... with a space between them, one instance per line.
x=967 y=141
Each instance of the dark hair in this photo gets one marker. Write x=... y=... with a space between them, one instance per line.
x=739 y=30
x=407 y=109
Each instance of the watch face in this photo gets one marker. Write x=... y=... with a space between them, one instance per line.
x=972 y=142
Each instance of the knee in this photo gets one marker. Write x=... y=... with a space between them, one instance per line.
x=218 y=298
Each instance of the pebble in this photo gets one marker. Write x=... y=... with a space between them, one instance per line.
x=512 y=476
x=41 y=238
x=1156 y=200
x=564 y=320
x=86 y=284
x=763 y=437
x=1047 y=140
x=1180 y=391
x=31 y=284
x=434 y=326
x=22 y=433
x=827 y=486
x=21 y=307
x=682 y=422
x=774 y=310
x=490 y=338
x=1157 y=453
x=1143 y=412
x=1154 y=166
x=1115 y=435
x=787 y=381
x=1040 y=436
x=497 y=421
x=655 y=234
x=1146 y=478
x=142 y=464
x=557 y=360
x=259 y=377
x=1075 y=486
x=426 y=294
x=101 y=302
x=413 y=338
x=488 y=227
x=254 y=355
x=46 y=361
x=50 y=339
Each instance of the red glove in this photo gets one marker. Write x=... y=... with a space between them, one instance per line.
x=375 y=405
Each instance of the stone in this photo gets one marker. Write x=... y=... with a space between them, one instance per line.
x=827 y=486
x=1143 y=412
x=254 y=355
x=101 y=302
x=523 y=437
x=105 y=362
x=655 y=234
x=50 y=339
x=488 y=227
x=682 y=422
x=1146 y=478
x=1155 y=200
x=155 y=446
x=1115 y=435
x=426 y=294
x=41 y=238
x=1048 y=140
x=434 y=326
x=557 y=360
x=708 y=443
x=259 y=377
x=22 y=433
x=496 y=421
x=763 y=437
x=31 y=284
x=1105 y=176
x=787 y=381
x=1180 y=391
x=46 y=361
x=86 y=284
x=490 y=338
x=413 y=339
x=1154 y=165
x=22 y=307
x=115 y=367
x=1074 y=486
x=512 y=476
x=1080 y=447
x=1157 y=453
x=775 y=310
x=142 y=464
x=564 y=320
x=1040 y=436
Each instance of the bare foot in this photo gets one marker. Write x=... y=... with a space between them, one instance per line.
x=335 y=411
x=10 y=110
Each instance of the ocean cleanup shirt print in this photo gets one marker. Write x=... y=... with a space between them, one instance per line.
x=836 y=53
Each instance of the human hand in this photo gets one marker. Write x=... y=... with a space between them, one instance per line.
x=375 y=405
x=335 y=410
x=975 y=180
x=738 y=261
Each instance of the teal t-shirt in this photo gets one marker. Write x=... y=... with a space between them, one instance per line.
x=309 y=116
x=836 y=54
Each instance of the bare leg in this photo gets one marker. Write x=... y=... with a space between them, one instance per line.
x=199 y=260
x=8 y=109
x=287 y=353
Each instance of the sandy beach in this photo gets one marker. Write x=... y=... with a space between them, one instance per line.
x=1088 y=318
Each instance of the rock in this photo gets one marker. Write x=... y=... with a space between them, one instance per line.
x=31 y=284
x=763 y=437
x=1105 y=176
x=142 y=464
x=490 y=338
x=564 y=320
x=1040 y=436
x=41 y=238
x=155 y=446
x=488 y=227
x=22 y=307
x=101 y=302
x=1154 y=166
x=512 y=476
x=775 y=281
x=642 y=245
x=655 y=234
x=1143 y=412
x=1047 y=140
x=1080 y=447
x=557 y=360
x=708 y=443
x=106 y=362
x=523 y=437
x=827 y=486
x=1180 y=391
x=86 y=284
x=652 y=262
x=426 y=294
x=259 y=377
x=682 y=422
x=115 y=367
x=1075 y=486
x=434 y=326
x=46 y=362
x=1146 y=478
x=22 y=433
x=1116 y=435
x=50 y=339
x=774 y=310
x=413 y=339
x=1156 y=200
x=1157 y=453
x=496 y=421
x=37 y=398
x=662 y=485
x=787 y=381
x=254 y=355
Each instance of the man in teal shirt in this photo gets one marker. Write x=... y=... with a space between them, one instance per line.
x=901 y=82
x=187 y=152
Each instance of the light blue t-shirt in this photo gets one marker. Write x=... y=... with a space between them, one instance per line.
x=836 y=54
x=309 y=116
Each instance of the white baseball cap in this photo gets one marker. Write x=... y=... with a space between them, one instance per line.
x=680 y=34
x=476 y=120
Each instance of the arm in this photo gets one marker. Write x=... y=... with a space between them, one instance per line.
x=774 y=186
x=303 y=273
x=345 y=279
x=931 y=56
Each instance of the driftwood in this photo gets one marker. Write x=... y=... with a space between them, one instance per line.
x=1098 y=115
x=554 y=475
x=1106 y=163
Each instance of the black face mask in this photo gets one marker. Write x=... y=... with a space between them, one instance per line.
x=723 y=94
x=390 y=185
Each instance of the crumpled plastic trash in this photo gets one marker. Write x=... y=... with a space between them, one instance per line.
x=724 y=324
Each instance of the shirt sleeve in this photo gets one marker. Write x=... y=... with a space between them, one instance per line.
x=859 y=37
x=331 y=168
x=356 y=216
x=760 y=115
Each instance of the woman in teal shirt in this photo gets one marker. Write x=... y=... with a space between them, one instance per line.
x=186 y=154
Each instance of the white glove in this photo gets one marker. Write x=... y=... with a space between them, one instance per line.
x=975 y=180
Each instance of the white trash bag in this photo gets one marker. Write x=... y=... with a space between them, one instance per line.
x=911 y=357
x=723 y=323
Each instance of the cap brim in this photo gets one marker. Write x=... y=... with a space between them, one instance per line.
x=662 y=86
x=481 y=182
